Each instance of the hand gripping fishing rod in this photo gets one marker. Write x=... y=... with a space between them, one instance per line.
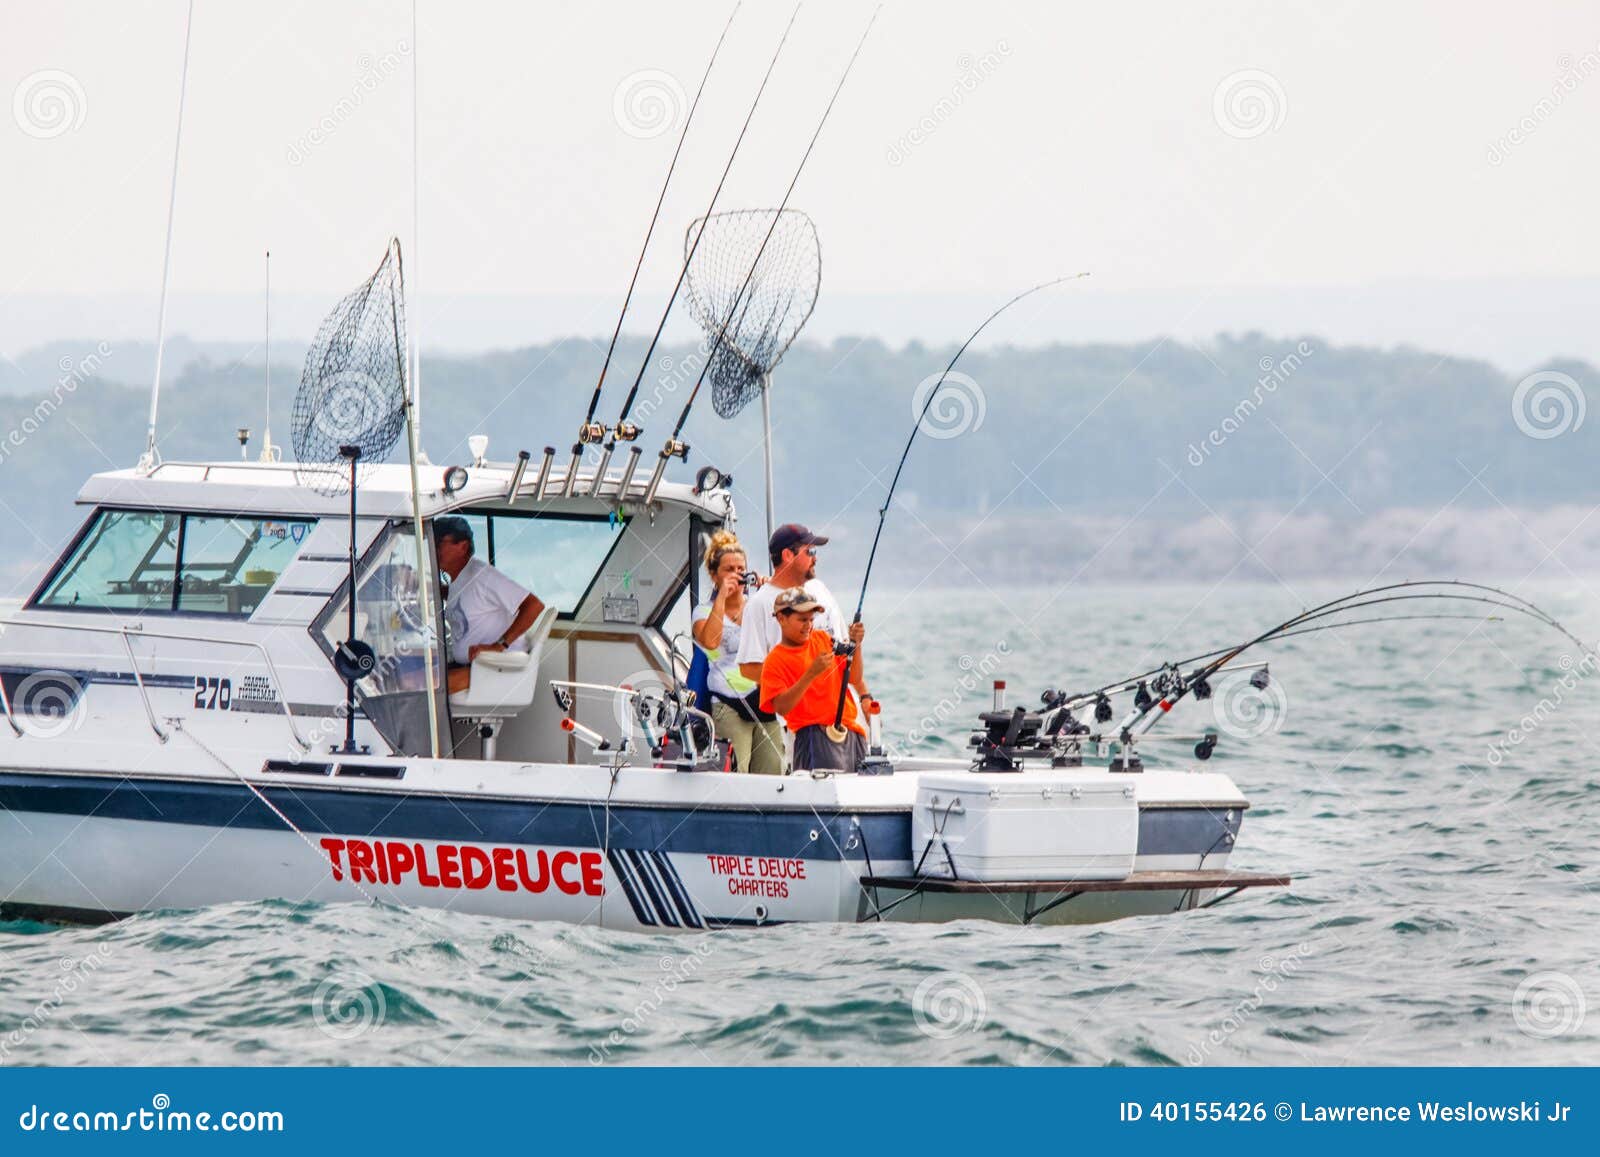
x=625 y=431
x=883 y=511
x=675 y=448
x=591 y=431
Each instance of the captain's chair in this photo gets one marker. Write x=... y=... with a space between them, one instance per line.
x=503 y=683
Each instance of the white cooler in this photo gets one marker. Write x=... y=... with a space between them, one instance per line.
x=1026 y=826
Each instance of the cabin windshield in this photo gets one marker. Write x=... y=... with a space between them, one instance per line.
x=390 y=619
x=152 y=562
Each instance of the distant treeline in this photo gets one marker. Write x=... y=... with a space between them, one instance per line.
x=1030 y=440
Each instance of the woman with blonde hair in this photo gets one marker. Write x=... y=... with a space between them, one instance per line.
x=756 y=735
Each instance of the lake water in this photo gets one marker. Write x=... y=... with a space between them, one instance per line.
x=1443 y=910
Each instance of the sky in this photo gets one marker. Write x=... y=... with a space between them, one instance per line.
x=1373 y=173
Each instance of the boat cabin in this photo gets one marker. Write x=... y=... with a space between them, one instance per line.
x=215 y=596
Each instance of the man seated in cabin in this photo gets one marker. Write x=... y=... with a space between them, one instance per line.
x=485 y=610
x=800 y=680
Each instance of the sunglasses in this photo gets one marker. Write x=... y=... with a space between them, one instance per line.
x=811 y=550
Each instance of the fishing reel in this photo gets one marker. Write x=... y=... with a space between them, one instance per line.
x=591 y=433
x=626 y=432
x=1005 y=738
x=844 y=648
x=674 y=449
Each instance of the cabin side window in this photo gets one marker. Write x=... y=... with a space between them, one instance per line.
x=143 y=562
x=556 y=557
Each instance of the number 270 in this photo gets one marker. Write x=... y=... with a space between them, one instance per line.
x=213 y=694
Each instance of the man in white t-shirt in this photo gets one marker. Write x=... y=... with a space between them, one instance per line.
x=793 y=551
x=485 y=610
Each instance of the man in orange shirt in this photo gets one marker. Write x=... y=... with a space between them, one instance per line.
x=800 y=681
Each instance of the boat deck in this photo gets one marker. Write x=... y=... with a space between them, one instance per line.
x=1043 y=896
x=1201 y=879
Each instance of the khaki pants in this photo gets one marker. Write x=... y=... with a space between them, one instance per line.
x=758 y=747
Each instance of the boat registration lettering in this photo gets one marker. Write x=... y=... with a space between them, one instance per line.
x=465 y=866
x=766 y=876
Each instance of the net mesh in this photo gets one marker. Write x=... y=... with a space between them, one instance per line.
x=764 y=321
x=353 y=389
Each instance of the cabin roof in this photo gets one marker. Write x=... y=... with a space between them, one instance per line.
x=385 y=489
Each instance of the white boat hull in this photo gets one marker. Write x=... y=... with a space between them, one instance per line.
x=93 y=847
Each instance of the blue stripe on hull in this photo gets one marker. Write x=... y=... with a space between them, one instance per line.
x=1162 y=831
x=459 y=818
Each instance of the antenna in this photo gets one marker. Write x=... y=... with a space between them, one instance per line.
x=414 y=330
x=148 y=460
x=269 y=452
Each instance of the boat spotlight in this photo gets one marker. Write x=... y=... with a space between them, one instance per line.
x=1260 y=679
x=454 y=479
x=708 y=478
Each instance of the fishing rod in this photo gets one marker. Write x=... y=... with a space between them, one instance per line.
x=590 y=431
x=883 y=511
x=675 y=448
x=1516 y=604
x=623 y=430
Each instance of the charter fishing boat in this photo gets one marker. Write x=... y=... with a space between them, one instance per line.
x=175 y=732
x=231 y=685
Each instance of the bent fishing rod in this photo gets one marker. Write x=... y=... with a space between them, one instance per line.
x=1360 y=599
x=590 y=431
x=623 y=430
x=883 y=511
x=1354 y=601
x=674 y=448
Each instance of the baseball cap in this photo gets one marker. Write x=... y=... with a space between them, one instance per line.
x=792 y=534
x=794 y=599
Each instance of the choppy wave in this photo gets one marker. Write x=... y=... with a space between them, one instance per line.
x=1444 y=909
